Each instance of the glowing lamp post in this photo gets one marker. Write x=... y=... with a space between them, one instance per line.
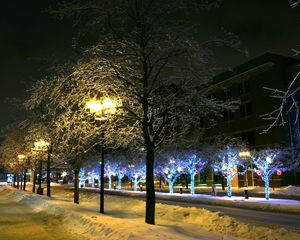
x=245 y=155
x=42 y=145
x=101 y=108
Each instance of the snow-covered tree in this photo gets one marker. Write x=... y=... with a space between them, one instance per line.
x=153 y=65
x=69 y=121
x=9 y=150
x=267 y=162
x=92 y=166
x=136 y=172
x=192 y=164
x=294 y=3
x=110 y=171
x=40 y=121
x=40 y=150
x=170 y=168
x=82 y=177
x=120 y=171
x=227 y=164
x=16 y=154
x=119 y=161
x=288 y=97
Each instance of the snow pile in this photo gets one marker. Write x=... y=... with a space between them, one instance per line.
x=124 y=219
x=289 y=190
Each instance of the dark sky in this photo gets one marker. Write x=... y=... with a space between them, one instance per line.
x=29 y=36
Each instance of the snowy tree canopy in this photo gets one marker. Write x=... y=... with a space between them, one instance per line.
x=227 y=164
x=153 y=67
x=288 y=98
x=170 y=168
x=267 y=162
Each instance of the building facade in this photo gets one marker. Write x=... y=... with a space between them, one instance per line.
x=247 y=83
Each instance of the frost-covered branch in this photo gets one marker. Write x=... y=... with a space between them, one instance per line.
x=288 y=103
x=267 y=162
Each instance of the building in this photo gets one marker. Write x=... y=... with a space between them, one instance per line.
x=247 y=82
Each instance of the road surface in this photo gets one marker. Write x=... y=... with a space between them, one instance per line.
x=266 y=218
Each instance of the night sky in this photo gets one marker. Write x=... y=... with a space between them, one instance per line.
x=29 y=36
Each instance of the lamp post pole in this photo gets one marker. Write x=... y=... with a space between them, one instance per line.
x=99 y=109
x=102 y=175
x=49 y=150
x=42 y=145
x=245 y=155
x=40 y=190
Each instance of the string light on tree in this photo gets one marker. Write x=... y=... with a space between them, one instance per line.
x=267 y=163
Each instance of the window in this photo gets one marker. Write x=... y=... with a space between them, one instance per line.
x=249 y=138
x=231 y=115
x=228 y=115
x=245 y=109
x=227 y=94
x=211 y=120
x=201 y=122
x=244 y=87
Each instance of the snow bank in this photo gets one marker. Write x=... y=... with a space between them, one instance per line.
x=124 y=219
x=255 y=203
x=289 y=190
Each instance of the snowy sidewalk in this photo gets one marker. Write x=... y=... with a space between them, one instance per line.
x=255 y=203
x=124 y=219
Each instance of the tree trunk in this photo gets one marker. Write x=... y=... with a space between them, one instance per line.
x=40 y=174
x=229 y=191
x=76 y=186
x=109 y=183
x=160 y=182
x=34 y=181
x=150 y=194
x=18 y=181
x=192 y=184
x=48 y=173
x=21 y=186
x=267 y=188
x=186 y=181
x=14 y=183
x=135 y=184
x=171 y=186
x=24 y=185
x=119 y=183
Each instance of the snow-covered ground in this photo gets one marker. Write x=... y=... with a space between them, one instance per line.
x=289 y=190
x=254 y=203
x=124 y=219
x=282 y=205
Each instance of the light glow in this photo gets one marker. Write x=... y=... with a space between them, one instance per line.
x=41 y=144
x=244 y=154
x=94 y=106
x=21 y=156
x=269 y=159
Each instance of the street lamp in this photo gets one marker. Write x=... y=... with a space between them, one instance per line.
x=100 y=108
x=245 y=155
x=21 y=157
x=42 y=145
